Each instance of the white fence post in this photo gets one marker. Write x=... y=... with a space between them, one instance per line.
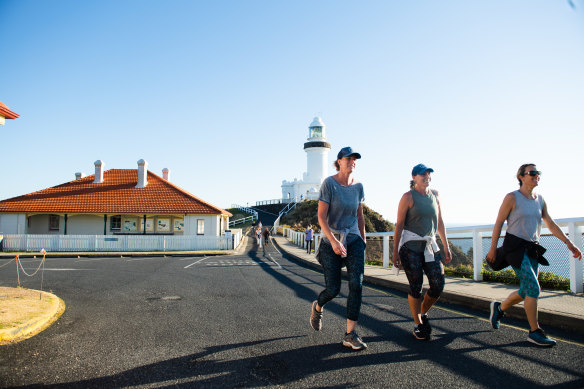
x=386 y=251
x=477 y=255
x=575 y=265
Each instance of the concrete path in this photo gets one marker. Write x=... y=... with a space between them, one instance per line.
x=556 y=308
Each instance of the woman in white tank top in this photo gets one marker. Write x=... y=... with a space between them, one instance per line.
x=524 y=211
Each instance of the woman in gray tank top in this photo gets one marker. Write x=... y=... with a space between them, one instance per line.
x=524 y=210
x=419 y=218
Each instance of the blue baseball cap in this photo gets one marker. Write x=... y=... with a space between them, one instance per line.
x=348 y=152
x=421 y=169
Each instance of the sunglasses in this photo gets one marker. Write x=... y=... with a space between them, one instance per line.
x=532 y=173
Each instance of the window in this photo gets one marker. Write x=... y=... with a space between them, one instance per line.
x=316 y=132
x=116 y=223
x=54 y=222
x=200 y=227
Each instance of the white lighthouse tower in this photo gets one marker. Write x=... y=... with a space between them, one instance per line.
x=317 y=150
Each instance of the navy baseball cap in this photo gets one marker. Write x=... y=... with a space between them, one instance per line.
x=348 y=152
x=421 y=169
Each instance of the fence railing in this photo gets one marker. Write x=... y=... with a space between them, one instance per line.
x=121 y=243
x=474 y=241
x=251 y=218
x=254 y=215
x=274 y=201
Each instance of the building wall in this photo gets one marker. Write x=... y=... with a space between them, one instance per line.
x=12 y=223
x=84 y=225
x=94 y=224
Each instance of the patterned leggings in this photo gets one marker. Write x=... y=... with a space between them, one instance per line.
x=527 y=274
x=415 y=266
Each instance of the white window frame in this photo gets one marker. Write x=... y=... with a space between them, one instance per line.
x=200 y=226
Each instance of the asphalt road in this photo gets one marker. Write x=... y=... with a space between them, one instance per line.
x=242 y=321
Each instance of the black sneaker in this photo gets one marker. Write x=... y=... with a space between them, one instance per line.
x=540 y=338
x=420 y=333
x=496 y=314
x=315 y=317
x=426 y=324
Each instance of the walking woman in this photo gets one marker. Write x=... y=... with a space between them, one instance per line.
x=524 y=210
x=340 y=215
x=419 y=217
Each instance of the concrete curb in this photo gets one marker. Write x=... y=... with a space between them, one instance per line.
x=34 y=326
x=546 y=317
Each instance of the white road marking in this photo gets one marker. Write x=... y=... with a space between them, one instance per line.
x=194 y=263
x=273 y=260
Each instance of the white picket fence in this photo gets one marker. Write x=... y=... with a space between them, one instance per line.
x=121 y=243
x=574 y=227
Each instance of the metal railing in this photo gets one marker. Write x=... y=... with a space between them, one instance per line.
x=274 y=201
x=284 y=211
x=252 y=218
x=476 y=240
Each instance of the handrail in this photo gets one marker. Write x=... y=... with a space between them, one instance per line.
x=573 y=226
x=254 y=215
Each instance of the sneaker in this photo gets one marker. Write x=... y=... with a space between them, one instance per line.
x=315 y=317
x=540 y=338
x=426 y=324
x=420 y=333
x=496 y=314
x=354 y=341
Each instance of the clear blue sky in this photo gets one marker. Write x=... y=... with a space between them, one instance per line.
x=222 y=93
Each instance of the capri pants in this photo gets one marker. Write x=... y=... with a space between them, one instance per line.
x=527 y=274
x=415 y=265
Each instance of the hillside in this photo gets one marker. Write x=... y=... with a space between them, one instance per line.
x=305 y=213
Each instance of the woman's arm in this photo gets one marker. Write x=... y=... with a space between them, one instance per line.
x=338 y=248
x=504 y=210
x=361 y=221
x=442 y=232
x=405 y=204
x=558 y=233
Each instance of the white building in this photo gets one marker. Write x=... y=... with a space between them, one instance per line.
x=113 y=202
x=317 y=150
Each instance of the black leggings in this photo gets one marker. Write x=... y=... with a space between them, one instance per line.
x=415 y=265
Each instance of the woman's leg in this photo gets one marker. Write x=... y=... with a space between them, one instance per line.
x=355 y=262
x=412 y=265
x=435 y=273
x=528 y=292
x=331 y=265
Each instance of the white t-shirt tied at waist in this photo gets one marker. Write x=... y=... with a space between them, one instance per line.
x=431 y=245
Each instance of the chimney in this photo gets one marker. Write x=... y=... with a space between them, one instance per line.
x=142 y=174
x=79 y=175
x=99 y=165
x=166 y=174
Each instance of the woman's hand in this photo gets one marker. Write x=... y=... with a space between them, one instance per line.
x=338 y=248
x=447 y=254
x=575 y=250
x=491 y=255
x=396 y=260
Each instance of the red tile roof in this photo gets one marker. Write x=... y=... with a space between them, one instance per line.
x=117 y=194
x=7 y=113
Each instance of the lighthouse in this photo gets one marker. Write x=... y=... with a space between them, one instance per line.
x=317 y=150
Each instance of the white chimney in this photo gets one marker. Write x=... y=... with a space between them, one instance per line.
x=99 y=165
x=79 y=175
x=142 y=174
x=166 y=174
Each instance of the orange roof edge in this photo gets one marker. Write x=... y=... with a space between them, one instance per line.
x=6 y=112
